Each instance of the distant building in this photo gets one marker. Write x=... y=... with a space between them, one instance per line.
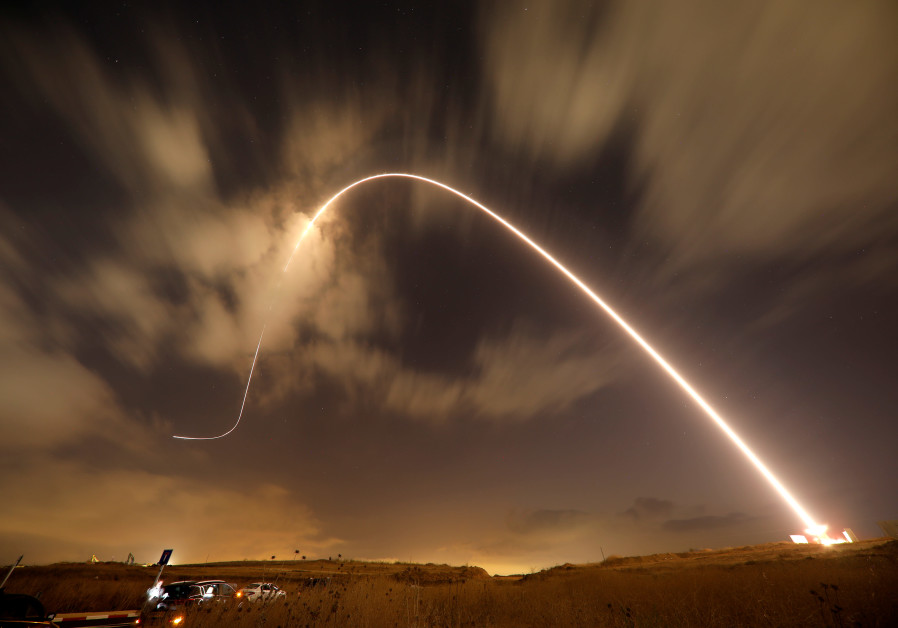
x=889 y=527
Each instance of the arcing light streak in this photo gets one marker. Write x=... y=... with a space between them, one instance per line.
x=804 y=516
x=245 y=393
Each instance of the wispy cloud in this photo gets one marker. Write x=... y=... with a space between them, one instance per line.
x=764 y=132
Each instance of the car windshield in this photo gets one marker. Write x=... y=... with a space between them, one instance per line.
x=180 y=591
x=254 y=585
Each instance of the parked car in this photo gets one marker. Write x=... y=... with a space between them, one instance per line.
x=17 y=609
x=261 y=592
x=169 y=605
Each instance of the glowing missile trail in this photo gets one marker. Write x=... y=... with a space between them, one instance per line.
x=712 y=414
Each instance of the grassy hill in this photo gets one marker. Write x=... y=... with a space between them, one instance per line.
x=778 y=584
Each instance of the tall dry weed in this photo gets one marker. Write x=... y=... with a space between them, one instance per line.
x=835 y=590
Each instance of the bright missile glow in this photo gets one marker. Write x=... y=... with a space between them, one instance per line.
x=817 y=534
x=689 y=390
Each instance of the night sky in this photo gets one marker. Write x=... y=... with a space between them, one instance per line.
x=724 y=175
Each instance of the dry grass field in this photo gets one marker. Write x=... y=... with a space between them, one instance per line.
x=769 y=585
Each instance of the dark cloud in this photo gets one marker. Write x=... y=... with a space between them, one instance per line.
x=708 y=522
x=649 y=507
x=539 y=521
x=645 y=527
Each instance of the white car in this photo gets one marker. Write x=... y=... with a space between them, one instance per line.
x=261 y=592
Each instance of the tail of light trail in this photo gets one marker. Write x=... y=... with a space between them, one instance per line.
x=814 y=529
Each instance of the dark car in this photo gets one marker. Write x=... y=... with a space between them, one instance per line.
x=17 y=610
x=171 y=604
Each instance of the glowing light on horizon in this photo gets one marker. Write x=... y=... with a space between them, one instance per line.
x=684 y=385
x=817 y=534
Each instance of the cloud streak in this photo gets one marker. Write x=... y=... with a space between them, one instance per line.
x=743 y=151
